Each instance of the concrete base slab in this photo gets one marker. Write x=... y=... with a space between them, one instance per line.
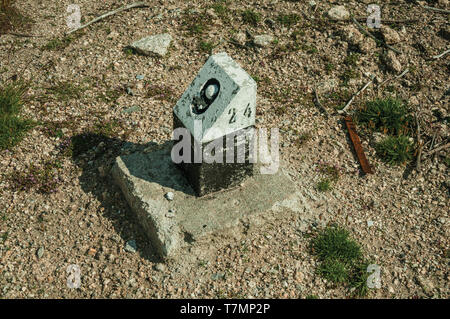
x=172 y=224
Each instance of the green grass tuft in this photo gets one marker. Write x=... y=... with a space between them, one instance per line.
x=195 y=23
x=65 y=91
x=388 y=115
x=59 y=44
x=205 y=46
x=251 y=17
x=161 y=92
x=288 y=20
x=334 y=243
x=352 y=59
x=341 y=259
x=334 y=271
x=395 y=150
x=12 y=126
x=324 y=185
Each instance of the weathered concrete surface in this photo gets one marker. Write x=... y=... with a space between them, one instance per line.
x=153 y=45
x=187 y=219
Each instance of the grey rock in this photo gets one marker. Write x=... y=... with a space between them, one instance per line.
x=160 y=267
x=169 y=196
x=217 y=276
x=40 y=252
x=132 y=109
x=390 y=36
x=153 y=45
x=131 y=246
x=263 y=40
x=339 y=13
x=392 y=62
x=240 y=38
x=129 y=91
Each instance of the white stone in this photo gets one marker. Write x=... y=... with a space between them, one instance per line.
x=169 y=196
x=263 y=40
x=234 y=107
x=153 y=45
x=339 y=13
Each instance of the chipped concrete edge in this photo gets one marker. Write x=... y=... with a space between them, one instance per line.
x=165 y=239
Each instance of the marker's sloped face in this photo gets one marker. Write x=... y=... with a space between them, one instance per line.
x=222 y=98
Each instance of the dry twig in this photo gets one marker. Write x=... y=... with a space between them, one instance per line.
x=123 y=8
x=394 y=78
x=440 y=55
x=317 y=102
x=344 y=110
x=436 y=9
x=24 y=35
x=419 y=143
x=437 y=149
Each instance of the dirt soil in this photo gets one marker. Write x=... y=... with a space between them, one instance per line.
x=399 y=215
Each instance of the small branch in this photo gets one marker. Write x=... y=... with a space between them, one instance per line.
x=440 y=55
x=317 y=102
x=23 y=35
x=436 y=9
x=437 y=149
x=133 y=5
x=419 y=143
x=344 y=110
x=395 y=78
x=433 y=138
x=242 y=46
x=360 y=27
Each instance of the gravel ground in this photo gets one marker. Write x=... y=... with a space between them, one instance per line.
x=398 y=215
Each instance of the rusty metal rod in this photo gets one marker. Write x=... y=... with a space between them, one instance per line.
x=366 y=167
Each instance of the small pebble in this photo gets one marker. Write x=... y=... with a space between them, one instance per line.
x=131 y=246
x=160 y=267
x=169 y=196
x=40 y=252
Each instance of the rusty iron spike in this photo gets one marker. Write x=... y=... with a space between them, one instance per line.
x=366 y=167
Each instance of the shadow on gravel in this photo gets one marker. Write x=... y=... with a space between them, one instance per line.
x=95 y=154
